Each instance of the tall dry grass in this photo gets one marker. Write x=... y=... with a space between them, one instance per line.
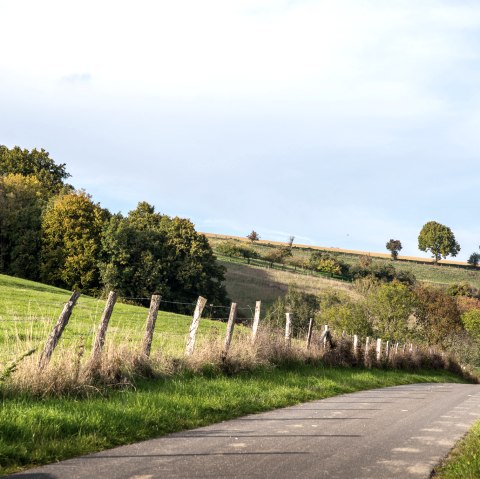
x=73 y=373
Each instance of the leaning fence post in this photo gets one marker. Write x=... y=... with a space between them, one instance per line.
x=379 y=349
x=288 y=329
x=102 y=329
x=355 y=345
x=230 y=325
x=201 y=302
x=309 y=334
x=256 y=320
x=151 y=320
x=325 y=336
x=58 y=330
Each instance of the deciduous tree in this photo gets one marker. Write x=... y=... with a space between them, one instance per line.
x=72 y=226
x=33 y=163
x=438 y=239
x=394 y=246
x=22 y=199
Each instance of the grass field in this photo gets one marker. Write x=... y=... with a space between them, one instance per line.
x=28 y=311
x=247 y=284
x=444 y=273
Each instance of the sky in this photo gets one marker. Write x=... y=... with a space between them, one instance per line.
x=343 y=123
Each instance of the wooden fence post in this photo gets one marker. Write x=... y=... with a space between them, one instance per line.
x=355 y=345
x=201 y=302
x=256 y=320
x=288 y=329
x=58 y=330
x=325 y=336
x=379 y=349
x=151 y=320
x=310 y=332
x=230 y=325
x=102 y=329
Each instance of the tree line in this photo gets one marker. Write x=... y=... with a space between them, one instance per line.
x=54 y=233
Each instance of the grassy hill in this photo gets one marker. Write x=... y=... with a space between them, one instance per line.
x=445 y=273
x=247 y=284
x=28 y=311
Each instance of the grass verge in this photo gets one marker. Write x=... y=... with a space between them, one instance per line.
x=38 y=431
x=464 y=460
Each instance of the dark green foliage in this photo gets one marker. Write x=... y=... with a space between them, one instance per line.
x=22 y=199
x=303 y=306
x=474 y=259
x=438 y=239
x=394 y=246
x=33 y=163
x=148 y=252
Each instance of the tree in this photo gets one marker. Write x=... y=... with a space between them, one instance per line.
x=437 y=315
x=291 y=239
x=253 y=236
x=474 y=260
x=148 y=251
x=390 y=307
x=471 y=322
x=22 y=199
x=438 y=239
x=341 y=313
x=394 y=246
x=303 y=306
x=33 y=163
x=72 y=225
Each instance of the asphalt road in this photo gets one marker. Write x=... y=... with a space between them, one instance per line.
x=397 y=432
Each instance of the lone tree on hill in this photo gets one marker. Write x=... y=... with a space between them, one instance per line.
x=438 y=239
x=253 y=236
x=474 y=260
x=394 y=246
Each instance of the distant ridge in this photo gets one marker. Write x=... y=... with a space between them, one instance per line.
x=340 y=250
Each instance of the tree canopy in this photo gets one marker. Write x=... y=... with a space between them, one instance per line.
x=33 y=163
x=394 y=246
x=438 y=239
x=148 y=252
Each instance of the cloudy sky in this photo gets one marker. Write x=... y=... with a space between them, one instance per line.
x=343 y=122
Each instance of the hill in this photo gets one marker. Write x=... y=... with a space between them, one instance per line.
x=249 y=282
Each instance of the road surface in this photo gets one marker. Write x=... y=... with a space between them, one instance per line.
x=396 y=432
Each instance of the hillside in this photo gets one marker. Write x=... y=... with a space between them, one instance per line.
x=248 y=282
x=28 y=311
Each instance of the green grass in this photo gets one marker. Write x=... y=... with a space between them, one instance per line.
x=29 y=310
x=38 y=431
x=464 y=461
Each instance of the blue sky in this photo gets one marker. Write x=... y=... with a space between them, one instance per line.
x=343 y=122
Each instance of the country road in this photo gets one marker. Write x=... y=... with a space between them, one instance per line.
x=396 y=432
